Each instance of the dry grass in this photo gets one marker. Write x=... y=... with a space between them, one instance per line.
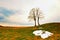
x=22 y=33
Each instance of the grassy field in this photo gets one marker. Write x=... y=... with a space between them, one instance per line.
x=25 y=33
x=7 y=33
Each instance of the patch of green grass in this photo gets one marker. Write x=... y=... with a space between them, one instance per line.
x=17 y=34
x=51 y=27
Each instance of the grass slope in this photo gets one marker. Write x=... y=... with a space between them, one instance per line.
x=25 y=33
x=52 y=27
x=12 y=33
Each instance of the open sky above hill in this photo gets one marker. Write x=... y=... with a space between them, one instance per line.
x=15 y=12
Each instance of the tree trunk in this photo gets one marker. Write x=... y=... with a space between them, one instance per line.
x=37 y=12
x=34 y=18
x=38 y=21
x=35 y=23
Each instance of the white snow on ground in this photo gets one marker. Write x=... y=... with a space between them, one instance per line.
x=43 y=34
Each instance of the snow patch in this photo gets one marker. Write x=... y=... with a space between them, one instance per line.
x=43 y=34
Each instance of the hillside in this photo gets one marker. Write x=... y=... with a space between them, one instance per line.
x=26 y=33
x=51 y=27
x=16 y=33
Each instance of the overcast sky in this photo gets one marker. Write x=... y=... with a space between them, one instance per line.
x=15 y=12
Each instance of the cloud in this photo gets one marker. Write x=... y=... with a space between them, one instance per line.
x=2 y=18
x=6 y=11
x=12 y=17
x=17 y=18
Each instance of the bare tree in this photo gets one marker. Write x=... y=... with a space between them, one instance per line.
x=35 y=14
x=32 y=15
x=38 y=15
